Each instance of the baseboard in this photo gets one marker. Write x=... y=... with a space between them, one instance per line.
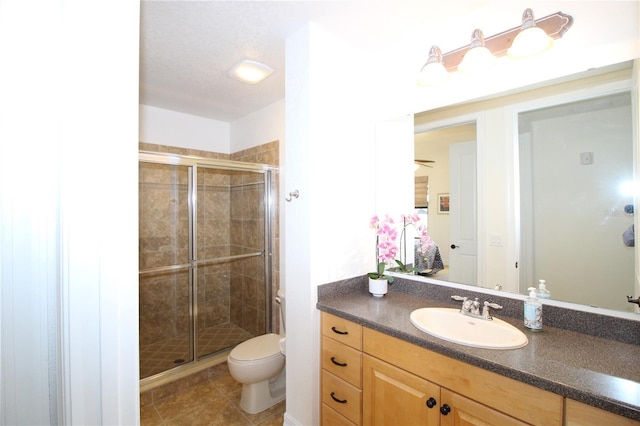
x=290 y=421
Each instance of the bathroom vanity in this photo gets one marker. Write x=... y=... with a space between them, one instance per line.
x=378 y=369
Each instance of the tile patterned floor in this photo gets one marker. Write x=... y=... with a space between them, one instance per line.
x=161 y=356
x=213 y=402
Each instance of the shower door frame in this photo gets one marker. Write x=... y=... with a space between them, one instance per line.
x=193 y=162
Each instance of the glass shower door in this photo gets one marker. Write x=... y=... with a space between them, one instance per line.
x=165 y=270
x=230 y=257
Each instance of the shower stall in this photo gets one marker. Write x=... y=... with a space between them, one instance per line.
x=205 y=258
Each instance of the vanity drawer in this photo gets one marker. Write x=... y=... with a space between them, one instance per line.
x=342 y=330
x=343 y=361
x=341 y=396
x=331 y=417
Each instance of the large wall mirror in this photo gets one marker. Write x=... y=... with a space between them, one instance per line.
x=540 y=185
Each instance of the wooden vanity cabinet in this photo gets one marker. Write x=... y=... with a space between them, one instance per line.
x=392 y=396
x=373 y=379
x=341 y=361
x=463 y=394
x=579 y=414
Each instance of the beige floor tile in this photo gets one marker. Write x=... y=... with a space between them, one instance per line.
x=211 y=403
x=262 y=416
x=149 y=416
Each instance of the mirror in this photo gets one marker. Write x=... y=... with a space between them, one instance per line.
x=447 y=161
x=549 y=204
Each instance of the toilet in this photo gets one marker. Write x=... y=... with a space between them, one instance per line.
x=258 y=364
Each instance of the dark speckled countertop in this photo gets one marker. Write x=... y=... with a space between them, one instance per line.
x=596 y=370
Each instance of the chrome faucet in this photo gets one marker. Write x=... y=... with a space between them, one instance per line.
x=472 y=307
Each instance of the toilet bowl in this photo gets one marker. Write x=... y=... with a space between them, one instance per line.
x=258 y=364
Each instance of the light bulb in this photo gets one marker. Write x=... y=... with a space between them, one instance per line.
x=478 y=58
x=531 y=40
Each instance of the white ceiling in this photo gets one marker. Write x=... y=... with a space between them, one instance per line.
x=187 y=47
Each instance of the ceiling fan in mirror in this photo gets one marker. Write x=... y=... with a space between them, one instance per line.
x=425 y=163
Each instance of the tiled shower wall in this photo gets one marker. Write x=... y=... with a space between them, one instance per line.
x=247 y=225
x=230 y=222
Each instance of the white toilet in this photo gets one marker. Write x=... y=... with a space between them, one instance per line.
x=258 y=364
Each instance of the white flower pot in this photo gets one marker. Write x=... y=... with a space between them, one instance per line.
x=379 y=287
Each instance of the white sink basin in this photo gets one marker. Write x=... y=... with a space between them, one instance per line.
x=451 y=325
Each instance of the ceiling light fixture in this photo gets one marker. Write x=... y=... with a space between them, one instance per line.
x=478 y=58
x=433 y=72
x=531 y=39
x=553 y=26
x=250 y=71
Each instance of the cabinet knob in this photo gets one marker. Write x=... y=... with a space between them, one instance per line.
x=445 y=409
x=335 y=330
x=341 y=401
x=431 y=402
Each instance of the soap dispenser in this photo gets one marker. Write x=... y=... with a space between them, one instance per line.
x=532 y=311
x=543 y=293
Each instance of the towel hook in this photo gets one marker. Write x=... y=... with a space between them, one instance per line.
x=292 y=195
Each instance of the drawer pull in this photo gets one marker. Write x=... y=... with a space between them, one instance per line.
x=339 y=364
x=431 y=402
x=341 y=401
x=445 y=409
x=335 y=330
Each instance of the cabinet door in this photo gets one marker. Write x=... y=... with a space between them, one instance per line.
x=460 y=411
x=392 y=396
x=579 y=414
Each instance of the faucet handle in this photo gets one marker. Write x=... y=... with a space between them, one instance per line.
x=461 y=299
x=485 y=310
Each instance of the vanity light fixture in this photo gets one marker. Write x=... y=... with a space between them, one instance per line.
x=433 y=72
x=250 y=71
x=554 y=26
x=478 y=58
x=531 y=39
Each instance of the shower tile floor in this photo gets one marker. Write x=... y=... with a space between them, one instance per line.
x=166 y=354
x=215 y=401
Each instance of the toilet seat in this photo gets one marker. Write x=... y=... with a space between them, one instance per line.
x=262 y=347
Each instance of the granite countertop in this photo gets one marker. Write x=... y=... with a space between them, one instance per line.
x=591 y=369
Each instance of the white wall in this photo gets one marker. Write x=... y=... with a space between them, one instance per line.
x=559 y=180
x=263 y=126
x=329 y=157
x=172 y=128
x=68 y=152
x=165 y=127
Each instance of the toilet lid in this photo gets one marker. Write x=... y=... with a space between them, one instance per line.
x=264 y=346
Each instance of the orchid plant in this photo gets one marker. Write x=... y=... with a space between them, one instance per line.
x=386 y=250
x=425 y=240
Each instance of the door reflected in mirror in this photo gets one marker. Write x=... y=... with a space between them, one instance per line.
x=446 y=170
x=576 y=178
